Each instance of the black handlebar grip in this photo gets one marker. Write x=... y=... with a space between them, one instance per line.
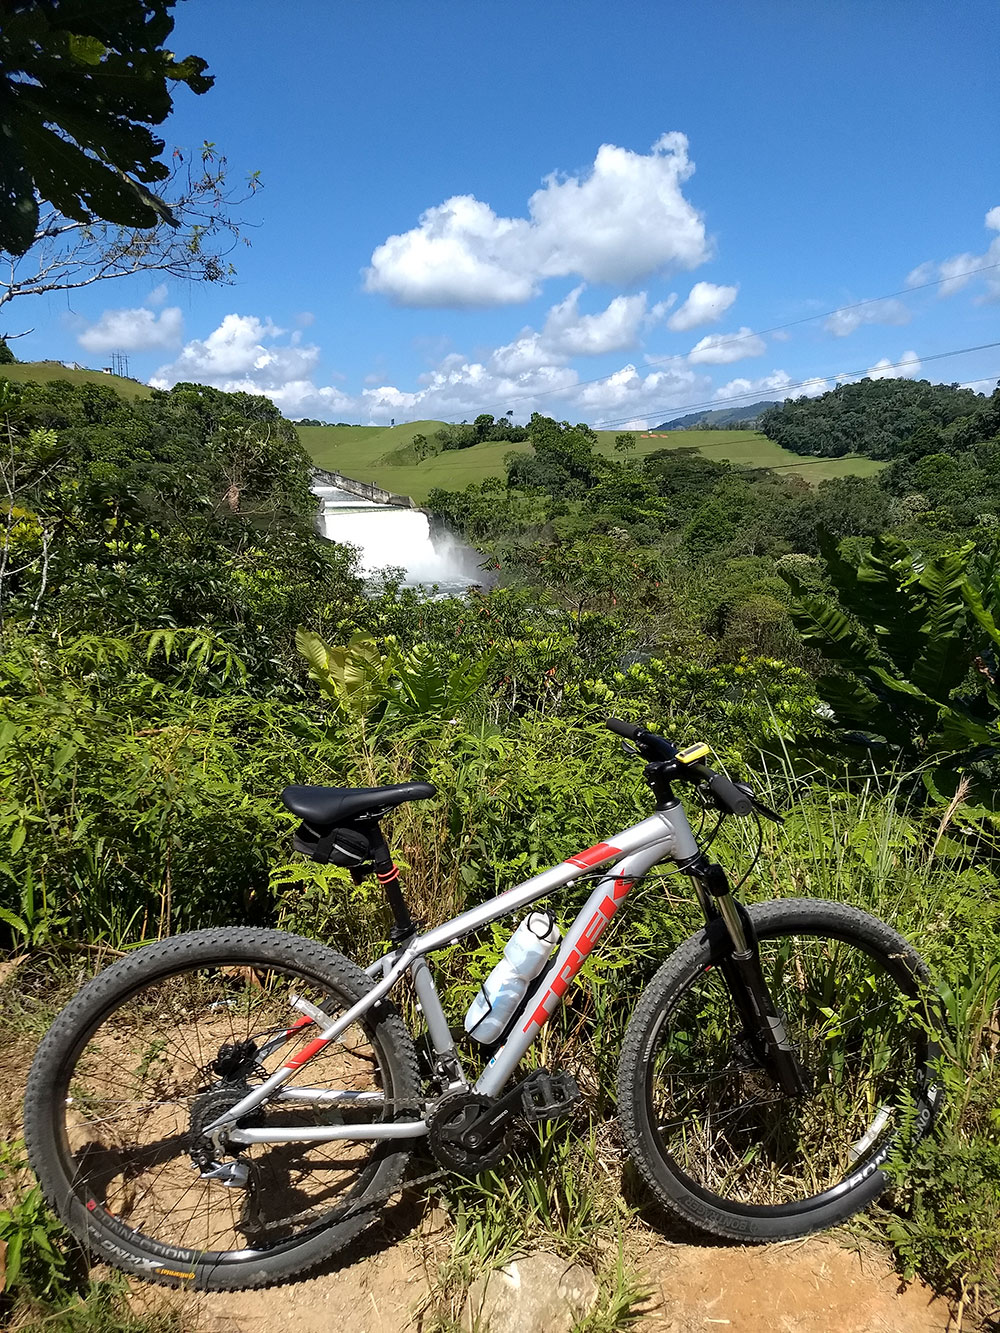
x=630 y=730
x=729 y=796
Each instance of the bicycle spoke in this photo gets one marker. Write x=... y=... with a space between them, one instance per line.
x=728 y=1127
x=145 y=1082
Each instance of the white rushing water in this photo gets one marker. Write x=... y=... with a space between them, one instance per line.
x=391 y=536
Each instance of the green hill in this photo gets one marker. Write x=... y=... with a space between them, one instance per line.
x=373 y=453
x=43 y=371
x=718 y=417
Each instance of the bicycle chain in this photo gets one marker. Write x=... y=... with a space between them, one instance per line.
x=365 y=1204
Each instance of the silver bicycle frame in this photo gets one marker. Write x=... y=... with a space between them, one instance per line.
x=666 y=835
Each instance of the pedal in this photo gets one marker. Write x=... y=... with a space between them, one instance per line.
x=546 y=1096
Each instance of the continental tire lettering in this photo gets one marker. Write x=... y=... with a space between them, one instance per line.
x=168 y=1252
x=131 y=1259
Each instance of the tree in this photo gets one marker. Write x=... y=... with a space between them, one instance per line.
x=7 y=357
x=80 y=83
x=624 y=443
x=79 y=86
x=67 y=255
x=914 y=642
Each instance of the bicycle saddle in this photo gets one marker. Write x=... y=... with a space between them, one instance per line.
x=333 y=805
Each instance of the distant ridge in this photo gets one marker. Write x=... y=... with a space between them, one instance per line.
x=718 y=419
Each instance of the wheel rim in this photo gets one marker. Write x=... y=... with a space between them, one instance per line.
x=142 y=1079
x=722 y=1125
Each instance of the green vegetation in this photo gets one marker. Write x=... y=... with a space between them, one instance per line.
x=80 y=91
x=45 y=372
x=386 y=455
x=178 y=644
x=871 y=417
x=743 y=417
x=100 y=81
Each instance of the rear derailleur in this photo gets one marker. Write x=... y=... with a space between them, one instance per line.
x=469 y=1132
x=233 y=1064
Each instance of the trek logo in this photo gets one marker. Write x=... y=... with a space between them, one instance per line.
x=591 y=933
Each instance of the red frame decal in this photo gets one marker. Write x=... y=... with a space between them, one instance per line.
x=589 y=936
x=593 y=856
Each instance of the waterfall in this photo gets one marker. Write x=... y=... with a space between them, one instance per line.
x=389 y=535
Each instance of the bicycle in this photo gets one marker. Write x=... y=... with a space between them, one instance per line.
x=228 y=1108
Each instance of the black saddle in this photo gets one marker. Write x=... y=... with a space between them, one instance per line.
x=326 y=806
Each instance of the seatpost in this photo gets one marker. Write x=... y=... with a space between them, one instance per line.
x=388 y=876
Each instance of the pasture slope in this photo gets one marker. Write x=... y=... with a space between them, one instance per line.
x=43 y=371
x=381 y=455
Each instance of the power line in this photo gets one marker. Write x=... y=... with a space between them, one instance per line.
x=774 y=328
x=799 y=384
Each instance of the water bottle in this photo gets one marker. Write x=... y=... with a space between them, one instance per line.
x=526 y=953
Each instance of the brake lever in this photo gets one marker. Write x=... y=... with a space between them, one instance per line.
x=759 y=805
x=629 y=749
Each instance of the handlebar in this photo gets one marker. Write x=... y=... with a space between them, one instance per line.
x=649 y=745
x=728 y=796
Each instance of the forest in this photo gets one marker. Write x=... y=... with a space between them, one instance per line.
x=178 y=644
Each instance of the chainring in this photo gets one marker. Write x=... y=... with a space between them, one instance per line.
x=452 y=1115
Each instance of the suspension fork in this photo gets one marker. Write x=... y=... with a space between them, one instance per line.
x=744 y=977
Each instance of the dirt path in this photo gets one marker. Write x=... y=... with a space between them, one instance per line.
x=812 y=1286
x=381 y=1286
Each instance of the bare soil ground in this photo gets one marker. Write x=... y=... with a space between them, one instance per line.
x=813 y=1286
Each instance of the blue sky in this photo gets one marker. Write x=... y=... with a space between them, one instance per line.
x=591 y=210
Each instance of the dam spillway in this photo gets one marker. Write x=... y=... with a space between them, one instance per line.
x=394 y=537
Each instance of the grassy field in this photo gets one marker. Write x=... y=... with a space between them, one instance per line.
x=43 y=371
x=361 y=452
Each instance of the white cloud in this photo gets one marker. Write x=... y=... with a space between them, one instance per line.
x=905 y=367
x=812 y=388
x=624 y=219
x=135 y=330
x=567 y=333
x=627 y=391
x=721 y=349
x=242 y=354
x=706 y=303
x=157 y=296
x=958 y=271
x=616 y=327
x=887 y=311
x=778 y=384
x=249 y=353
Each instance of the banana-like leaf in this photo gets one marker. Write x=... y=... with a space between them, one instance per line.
x=857 y=707
x=959 y=732
x=981 y=612
x=883 y=597
x=313 y=649
x=824 y=623
x=947 y=649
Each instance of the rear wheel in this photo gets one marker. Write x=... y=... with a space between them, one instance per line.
x=715 y=1138
x=153 y=1050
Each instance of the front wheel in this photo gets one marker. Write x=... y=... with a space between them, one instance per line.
x=715 y=1139
x=151 y=1052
